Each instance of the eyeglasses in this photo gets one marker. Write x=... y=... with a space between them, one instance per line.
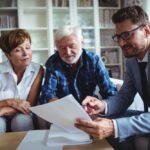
x=125 y=35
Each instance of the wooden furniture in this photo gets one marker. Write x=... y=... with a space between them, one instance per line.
x=10 y=141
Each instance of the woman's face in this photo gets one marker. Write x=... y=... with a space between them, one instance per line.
x=21 y=56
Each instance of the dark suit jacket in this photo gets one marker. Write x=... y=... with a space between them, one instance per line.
x=137 y=124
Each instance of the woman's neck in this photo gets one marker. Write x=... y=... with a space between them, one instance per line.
x=19 y=72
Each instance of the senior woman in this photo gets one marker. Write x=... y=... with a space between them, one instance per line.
x=20 y=81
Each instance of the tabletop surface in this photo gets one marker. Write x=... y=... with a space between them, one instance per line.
x=10 y=141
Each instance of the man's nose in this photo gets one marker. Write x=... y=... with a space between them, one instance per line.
x=68 y=50
x=121 y=42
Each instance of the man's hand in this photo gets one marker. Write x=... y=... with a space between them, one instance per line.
x=99 y=129
x=93 y=105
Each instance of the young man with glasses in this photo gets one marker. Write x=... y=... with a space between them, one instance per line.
x=133 y=36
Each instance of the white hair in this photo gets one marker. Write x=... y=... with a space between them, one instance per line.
x=68 y=30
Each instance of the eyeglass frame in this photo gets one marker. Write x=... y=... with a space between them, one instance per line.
x=118 y=36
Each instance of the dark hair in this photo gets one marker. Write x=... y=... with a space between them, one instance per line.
x=11 y=39
x=135 y=13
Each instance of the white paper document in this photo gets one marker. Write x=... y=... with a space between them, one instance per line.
x=59 y=136
x=36 y=140
x=62 y=112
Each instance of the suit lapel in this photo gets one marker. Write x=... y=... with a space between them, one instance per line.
x=136 y=74
x=149 y=70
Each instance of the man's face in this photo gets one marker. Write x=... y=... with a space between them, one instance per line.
x=69 y=48
x=136 y=43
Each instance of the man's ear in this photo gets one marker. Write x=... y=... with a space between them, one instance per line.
x=147 y=30
x=7 y=55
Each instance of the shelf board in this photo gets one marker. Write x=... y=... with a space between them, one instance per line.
x=107 y=28
x=39 y=49
x=8 y=8
x=89 y=47
x=87 y=28
x=85 y=11
x=115 y=8
x=37 y=29
x=60 y=9
x=83 y=28
x=35 y=9
x=85 y=8
x=7 y=29
x=109 y=47
x=56 y=7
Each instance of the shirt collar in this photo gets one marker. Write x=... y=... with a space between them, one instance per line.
x=7 y=68
x=145 y=59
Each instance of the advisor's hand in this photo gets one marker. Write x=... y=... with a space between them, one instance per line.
x=99 y=129
x=93 y=105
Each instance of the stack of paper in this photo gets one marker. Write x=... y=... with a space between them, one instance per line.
x=59 y=136
x=63 y=113
x=35 y=139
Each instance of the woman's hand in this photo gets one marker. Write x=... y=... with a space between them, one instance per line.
x=7 y=111
x=20 y=105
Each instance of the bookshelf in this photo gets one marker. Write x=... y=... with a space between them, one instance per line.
x=110 y=52
x=8 y=18
x=33 y=17
x=42 y=17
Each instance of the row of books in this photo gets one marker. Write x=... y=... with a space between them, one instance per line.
x=110 y=56
x=65 y=3
x=86 y=3
x=86 y=19
x=102 y=3
x=108 y=3
x=8 y=3
x=61 y=3
x=8 y=21
x=105 y=17
x=106 y=38
x=114 y=72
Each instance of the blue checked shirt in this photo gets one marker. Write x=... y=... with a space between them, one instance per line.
x=61 y=81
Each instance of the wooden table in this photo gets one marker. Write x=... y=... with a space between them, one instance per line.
x=10 y=141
